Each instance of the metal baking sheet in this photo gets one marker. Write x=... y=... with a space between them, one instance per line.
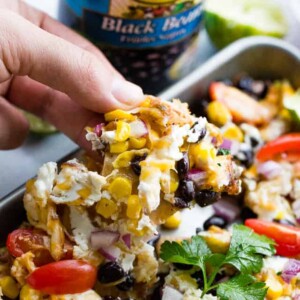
x=259 y=57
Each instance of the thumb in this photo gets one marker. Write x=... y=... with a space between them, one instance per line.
x=26 y=49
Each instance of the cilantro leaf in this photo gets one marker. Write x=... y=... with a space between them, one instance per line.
x=192 y=252
x=245 y=236
x=242 y=287
x=247 y=249
x=223 y=151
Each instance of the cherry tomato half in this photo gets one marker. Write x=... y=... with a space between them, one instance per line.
x=21 y=241
x=287 y=238
x=286 y=143
x=242 y=107
x=63 y=277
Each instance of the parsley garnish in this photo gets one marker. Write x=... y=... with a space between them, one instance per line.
x=222 y=151
x=245 y=254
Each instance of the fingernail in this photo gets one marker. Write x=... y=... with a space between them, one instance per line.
x=127 y=92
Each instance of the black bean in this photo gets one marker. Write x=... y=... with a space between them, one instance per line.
x=247 y=213
x=201 y=133
x=246 y=157
x=198 y=229
x=216 y=221
x=284 y=222
x=183 y=166
x=111 y=298
x=157 y=293
x=127 y=284
x=154 y=240
x=256 y=88
x=199 y=278
x=254 y=142
x=180 y=266
x=206 y=197
x=135 y=164
x=178 y=202
x=186 y=190
x=110 y=272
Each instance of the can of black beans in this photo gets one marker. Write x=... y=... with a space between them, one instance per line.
x=144 y=39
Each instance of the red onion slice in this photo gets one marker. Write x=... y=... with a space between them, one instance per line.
x=227 y=209
x=138 y=129
x=127 y=239
x=290 y=270
x=197 y=176
x=98 y=129
x=231 y=145
x=111 y=253
x=103 y=238
x=226 y=144
x=269 y=169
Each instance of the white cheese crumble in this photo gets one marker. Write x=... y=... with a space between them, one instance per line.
x=275 y=263
x=151 y=176
x=73 y=179
x=95 y=140
x=81 y=227
x=127 y=262
x=198 y=128
x=88 y=295
x=45 y=181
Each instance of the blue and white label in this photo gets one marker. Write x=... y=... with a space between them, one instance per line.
x=141 y=33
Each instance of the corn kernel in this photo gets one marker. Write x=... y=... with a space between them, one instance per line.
x=174 y=221
x=133 y=207
x=202 y=154
x=118 y=114
x=65 y=185
x=218 y=113
x=84 y=193
x=233 y=132
x=275 y=287
x=137 y=143
x=119 y=147
x=27 y=293
x=132 y=227
x=106 y=208
x=120 y=187
x=122 y=131
x=174 y=181
x=217 y=239
x=9 y=287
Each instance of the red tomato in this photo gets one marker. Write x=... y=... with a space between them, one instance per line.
x=21 y=241
x=242 y=107
x=286 y=237
x=286 y=143
x=63 y=277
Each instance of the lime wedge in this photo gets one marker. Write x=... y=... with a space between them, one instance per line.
x=292 y=104
x=229 y=20
x=38 y=125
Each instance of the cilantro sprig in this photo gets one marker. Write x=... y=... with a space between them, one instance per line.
x=245 y=254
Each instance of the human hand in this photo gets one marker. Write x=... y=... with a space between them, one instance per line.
x=49 y=70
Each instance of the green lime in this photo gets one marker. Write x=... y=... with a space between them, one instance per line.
x=292 y=104
x=37 y=125
x=229 y=20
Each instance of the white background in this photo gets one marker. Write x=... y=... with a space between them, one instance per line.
x=49 y=6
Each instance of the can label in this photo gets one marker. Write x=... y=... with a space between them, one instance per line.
x=138 y=23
